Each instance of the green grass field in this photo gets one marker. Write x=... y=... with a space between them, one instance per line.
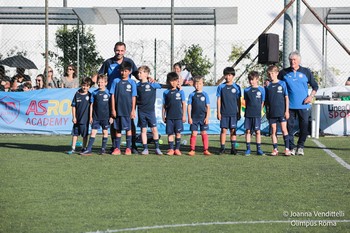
x=45 y=190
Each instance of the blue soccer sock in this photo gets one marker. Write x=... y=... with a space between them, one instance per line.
x=274 y=146
x=233 y=144
x=171 y=145
x=156 y=143
x=258 y=146
x=286 y=140
x=104 y=142
x=117 y=142
x=91 y=142
x=177 y=143
x=248 y=145
x=128 y=141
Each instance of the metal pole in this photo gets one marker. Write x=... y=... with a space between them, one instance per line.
x=46 y=39
x=172 y=36
x=298 y=20
x=155 y=58
x=78 y=49
x=215 y=37
x=287 y=35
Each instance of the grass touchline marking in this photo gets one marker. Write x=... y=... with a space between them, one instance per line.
x=213 y=223
x=333 y=155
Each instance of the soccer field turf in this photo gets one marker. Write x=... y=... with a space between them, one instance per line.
x=45 y=190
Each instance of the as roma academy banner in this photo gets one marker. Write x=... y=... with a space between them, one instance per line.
x=49 y=111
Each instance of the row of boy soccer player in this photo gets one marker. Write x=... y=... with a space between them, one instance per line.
x=123 y=102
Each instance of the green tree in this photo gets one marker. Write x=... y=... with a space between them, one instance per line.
x=195 y=62
x=89 y=58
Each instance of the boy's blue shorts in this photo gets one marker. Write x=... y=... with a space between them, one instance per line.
x=80 y=130
x=199 y=124
x=147 y=119
x=96 y=124
x=174 y=126
x=252 y=123
x=122 y=123
x=228 y=122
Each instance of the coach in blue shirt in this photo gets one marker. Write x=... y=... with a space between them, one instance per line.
x=298 y=79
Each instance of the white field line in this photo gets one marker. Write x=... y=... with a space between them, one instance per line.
x=216 y=223
x=330 y=153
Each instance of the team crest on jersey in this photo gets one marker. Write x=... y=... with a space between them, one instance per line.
x=87 y=98
x=128 y=87
x=178 y=96
x=258 y=94
x=105 y=97
x=279 y=89
x=300 y=75
x=147 y=87
x=202 y=98
x=233 y=90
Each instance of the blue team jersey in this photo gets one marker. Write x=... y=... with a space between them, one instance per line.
x=146 y=96
x=297 y=85
x=229 y=96
x=100 y=103
x=81 y=102
x=276 y=98
x=112 y=68
x=172 y=100
x=199 y=102
x=123 y=91
x=254 y=97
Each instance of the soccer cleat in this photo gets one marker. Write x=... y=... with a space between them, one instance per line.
x=287 y=152
x=102 y=151
x=116 y=151
x=260 y=152
x=192 y=153
x=274 y=152
x=221 y=152
x=300 y=151
x=177 y=152
x=145 y=152
x=83 y=149
x=158 y=152
x=206 y=153
x=294 y=151
x=135 y=151
x=247 y=153
x=127 y=151
x=170 y=152
x=86 y=153
x=71 y=152
x=111 y=150
x=233 y=151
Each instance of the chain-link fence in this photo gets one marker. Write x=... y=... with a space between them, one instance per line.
x=151 y=44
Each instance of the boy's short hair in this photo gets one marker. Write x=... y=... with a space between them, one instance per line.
x=145 y=69
x=172 y=76
x=197 y=79
x=28 y=85
x=272 y=68
x=125 y=66
x=229 y=70
x=101 y=76
x=87 y=81
x=253 y=75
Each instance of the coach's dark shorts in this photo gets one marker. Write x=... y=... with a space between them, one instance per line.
x=174 y=126
x=80 y=130
x=147 y=119
x=228 y=122
x=122 y=123
x=198 y=124
x=274 y=120
x=104 y=124
x=252 y=123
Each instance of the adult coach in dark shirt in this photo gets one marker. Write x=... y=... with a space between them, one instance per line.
x=111 y=67
x=298 y=79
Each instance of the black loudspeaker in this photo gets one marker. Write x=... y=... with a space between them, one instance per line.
x=268 y=48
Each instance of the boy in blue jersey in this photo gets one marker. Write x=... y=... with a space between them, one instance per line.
x=146 y=98
x=198 y=115
x=174 y=112
x=228 y=109
x=81 y=113
x=298 y=79
x=99 y=115
x=254 y=97
x=123 y=104
x=277 y=108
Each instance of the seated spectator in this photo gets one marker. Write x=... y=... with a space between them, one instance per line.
x=39 y=82
x=20 y=71
x=5 y=83
x=27 y=86
x=51 y=80
x=70 y=79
